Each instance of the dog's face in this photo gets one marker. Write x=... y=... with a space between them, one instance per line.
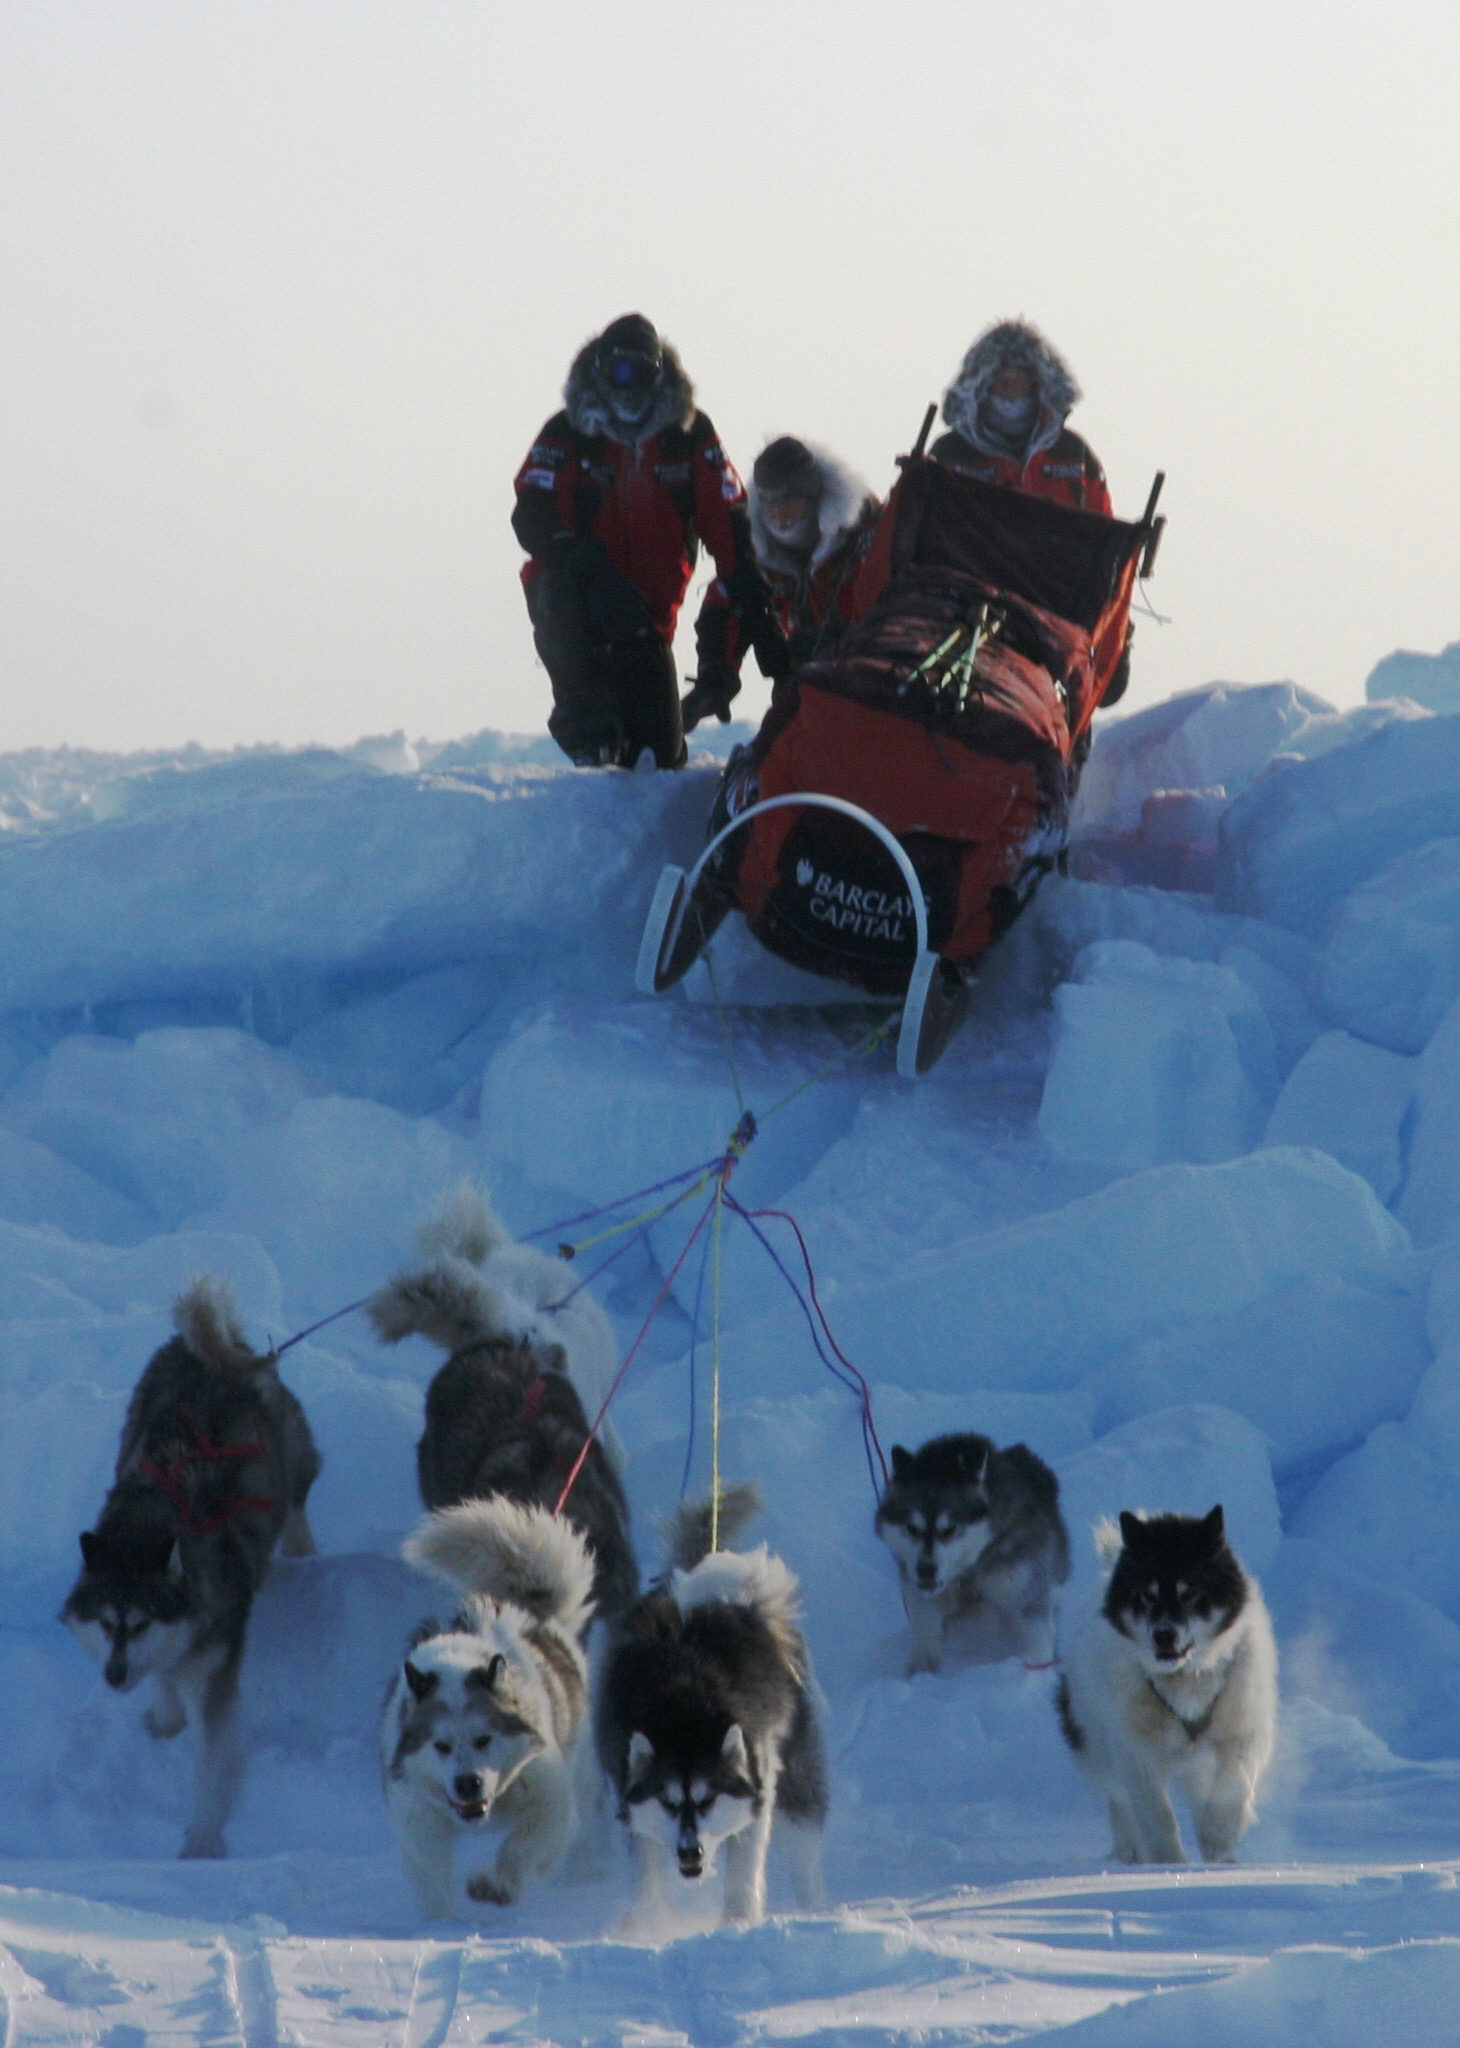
x=1175 y=1588
x=130 y=1609
x=457 y=1741
x=690 y=1809
x=936 y=1521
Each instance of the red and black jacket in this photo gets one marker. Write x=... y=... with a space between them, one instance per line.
x=811 y=595
x=1067 y=470
x=652 y=503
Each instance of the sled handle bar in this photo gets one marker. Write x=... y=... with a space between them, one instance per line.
x=816 y=802
x=925 y=962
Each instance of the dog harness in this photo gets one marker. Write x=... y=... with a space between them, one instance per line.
x=562 y=1462
x=170 y=1479
x=1194 y=1729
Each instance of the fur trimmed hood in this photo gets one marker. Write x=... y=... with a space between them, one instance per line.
x=843 y=495
x=589 y=411
x=1011 y=344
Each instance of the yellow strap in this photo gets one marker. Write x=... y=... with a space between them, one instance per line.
x=648 y=1216
x=870 y=1043
x=716 y=1232
x=724 y=1023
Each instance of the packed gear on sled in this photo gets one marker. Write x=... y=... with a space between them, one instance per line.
x=905 y=795
x=616 y=495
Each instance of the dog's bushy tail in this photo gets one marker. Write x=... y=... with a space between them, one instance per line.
x=686 y=1532
x=447 y=1301
x=206 y=1317
x=463 y=1226
x=517 y=1555
x=748 y=1578
x=1108 y=1540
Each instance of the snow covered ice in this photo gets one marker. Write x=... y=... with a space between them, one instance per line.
x=1180 y=1208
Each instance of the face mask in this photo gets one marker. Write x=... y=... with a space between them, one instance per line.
x=1011 y=413
x=628 y=384
x=792 y=521
x=630 y=406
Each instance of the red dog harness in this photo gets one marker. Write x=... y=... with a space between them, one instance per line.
x=170 y=1480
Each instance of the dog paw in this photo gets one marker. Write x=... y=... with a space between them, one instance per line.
x=487 y=1890
x=202 y=1848
x=162 y=1727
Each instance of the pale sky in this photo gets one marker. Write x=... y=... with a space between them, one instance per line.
x=291 y=284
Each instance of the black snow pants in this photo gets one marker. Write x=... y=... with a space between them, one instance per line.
x=614 y=686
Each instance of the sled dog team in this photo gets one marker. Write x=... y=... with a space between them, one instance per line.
x=706 y=1720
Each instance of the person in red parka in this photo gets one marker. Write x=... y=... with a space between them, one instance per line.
x=617 y=492
x=1006 y=411
x=812 y=523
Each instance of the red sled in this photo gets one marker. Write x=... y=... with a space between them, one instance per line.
x=905 y=796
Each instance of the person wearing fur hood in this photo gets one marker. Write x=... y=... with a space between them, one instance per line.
x=1006 y=411
x=616 y=495
x=812 y=522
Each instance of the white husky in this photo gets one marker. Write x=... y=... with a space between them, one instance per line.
x=1173 y=1679
x=483 y=1718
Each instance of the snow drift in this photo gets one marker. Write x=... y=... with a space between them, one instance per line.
x=1180 y=1209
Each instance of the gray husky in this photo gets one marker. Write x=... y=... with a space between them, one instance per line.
x=503 y=1414
x=215 y=1466
x=483 y=1718
x=707 y=1725
x=981 y=1549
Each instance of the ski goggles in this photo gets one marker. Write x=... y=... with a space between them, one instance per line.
x=629 y=373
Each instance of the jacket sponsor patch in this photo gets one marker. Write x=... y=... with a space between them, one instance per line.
x=546 y=452
x=544 y=478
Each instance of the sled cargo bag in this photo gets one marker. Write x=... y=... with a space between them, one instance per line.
x=955 y=711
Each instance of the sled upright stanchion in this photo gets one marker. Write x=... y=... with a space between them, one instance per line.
x=1154 y=527
x=671 y=943
x=923 y=432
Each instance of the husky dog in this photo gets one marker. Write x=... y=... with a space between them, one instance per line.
x=215 y=1466
x=482 y=1719
x=1174 y=1677
x=980 y=1546
x=504 y=1414
x=707 y=1727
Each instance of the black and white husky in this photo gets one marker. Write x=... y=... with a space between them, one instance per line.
x=215 y=1466
x=1172 y=1680
x=981 y=1549
x=707 y=1725
x=483 y=1718
x=506 y=1412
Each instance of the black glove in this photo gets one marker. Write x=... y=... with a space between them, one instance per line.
x=582 y=583
x=575 y=557
x=772 y=655
x=712 y=691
